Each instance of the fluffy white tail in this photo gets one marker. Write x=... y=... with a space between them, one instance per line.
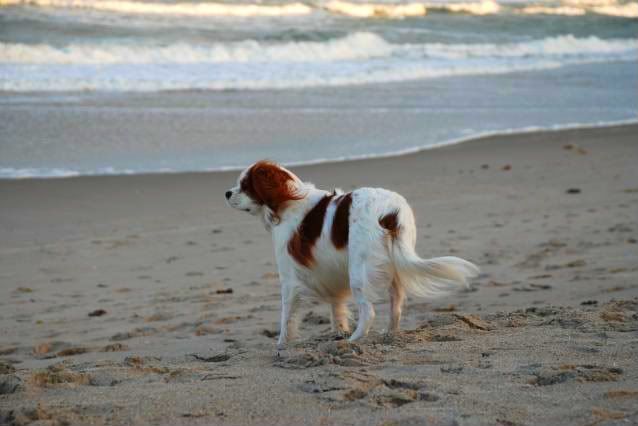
x=429 y=277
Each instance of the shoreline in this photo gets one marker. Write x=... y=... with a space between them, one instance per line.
x=355 y=158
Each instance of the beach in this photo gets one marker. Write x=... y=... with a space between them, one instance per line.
x=145 y=299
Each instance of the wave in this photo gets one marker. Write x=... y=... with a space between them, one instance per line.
x=153 y=78
x=375 y=10
x=557 y=10
x=356 y=46
x=590 y=3
x=404 y=10
x=629 y=10
x=560 y=47
x=486 y=7
x=359 y=58
x=353 y=9
x=32 y=172
x=183 y=9
x=583 y=7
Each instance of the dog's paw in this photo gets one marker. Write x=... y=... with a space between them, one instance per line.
x=342 y=335
x=357 y=335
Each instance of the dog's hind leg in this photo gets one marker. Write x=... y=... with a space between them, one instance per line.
x=340 y=316
x=359 y=284
x=397 y=298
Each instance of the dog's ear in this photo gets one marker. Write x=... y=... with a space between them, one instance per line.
x=273 y=186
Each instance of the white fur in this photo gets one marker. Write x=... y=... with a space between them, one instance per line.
x=371 y=262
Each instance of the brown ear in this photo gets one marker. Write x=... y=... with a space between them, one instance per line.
x=272 y=185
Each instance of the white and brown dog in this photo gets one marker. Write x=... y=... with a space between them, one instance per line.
x=332 y=246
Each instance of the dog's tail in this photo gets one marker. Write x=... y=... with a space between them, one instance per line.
x=421 y=277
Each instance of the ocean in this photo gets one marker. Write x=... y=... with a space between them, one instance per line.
x=120 y=86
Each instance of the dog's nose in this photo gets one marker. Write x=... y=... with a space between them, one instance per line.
x=228 y=194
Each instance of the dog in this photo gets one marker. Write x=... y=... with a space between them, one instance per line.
x=336 y=246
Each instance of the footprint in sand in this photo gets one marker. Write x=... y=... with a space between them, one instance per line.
x=533 y=287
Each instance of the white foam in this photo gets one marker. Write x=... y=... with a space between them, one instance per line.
x=31 y=172
x=629 y=10
x=589 y=3
x=551 y=48
x=182 y=9
x=354 y=9
x=560 y=10
x=154 y=79
x=360 y=58
x=356 y=46
x=582 y=7
x=486 y=7
x=375 y=10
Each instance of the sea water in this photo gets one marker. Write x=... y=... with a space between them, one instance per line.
x=129 y=86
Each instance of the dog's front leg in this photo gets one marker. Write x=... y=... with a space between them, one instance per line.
x=289 y=305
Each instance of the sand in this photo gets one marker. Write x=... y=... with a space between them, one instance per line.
x=146 y=300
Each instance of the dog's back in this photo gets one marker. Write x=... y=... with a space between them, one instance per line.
x=353 y=225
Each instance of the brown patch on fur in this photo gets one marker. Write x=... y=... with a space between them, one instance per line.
x=390 y=222
x=341 y=226
x=246 y=186
x=303 y=240
x=268 y=184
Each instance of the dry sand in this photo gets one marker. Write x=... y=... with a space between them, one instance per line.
x=145 y=300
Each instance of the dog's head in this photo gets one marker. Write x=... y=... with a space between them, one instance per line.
x=264 y=185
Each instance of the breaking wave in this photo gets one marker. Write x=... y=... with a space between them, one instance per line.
x=389 y=10
x=352 y=9
x=629 y=10
x=375 y=10
x=557 y=48
x=486 y=7
x=359 y=58
x=341 y=7
x=356 y=47
x=183 y=9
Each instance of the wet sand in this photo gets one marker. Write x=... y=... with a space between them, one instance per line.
x=145 y=299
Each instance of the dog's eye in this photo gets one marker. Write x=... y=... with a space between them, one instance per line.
x=243 y=185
